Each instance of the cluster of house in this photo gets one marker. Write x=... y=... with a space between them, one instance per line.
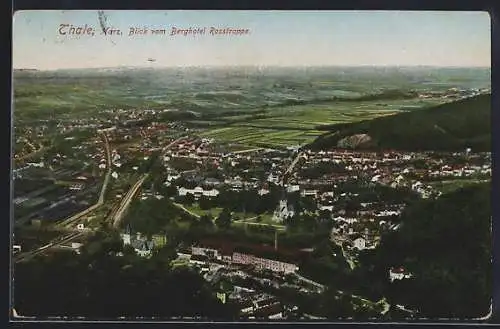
x=235 y=254
x=262 y=306
x=198 y=192
x=454 y=93
x=399 y=273
x=264 y=263
x=141 y=244
x=395 y=169
x=18 y=172
x=461 y=171
x=283 y=211
x=354 y=239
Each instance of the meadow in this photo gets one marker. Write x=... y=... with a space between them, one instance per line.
x=299 y=125
x=251 y=106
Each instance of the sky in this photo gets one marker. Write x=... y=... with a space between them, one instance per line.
x=275 y=38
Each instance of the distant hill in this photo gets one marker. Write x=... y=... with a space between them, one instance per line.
x=450 y=126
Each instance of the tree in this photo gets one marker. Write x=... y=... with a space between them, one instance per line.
x=206 y=221
x=308 y=204
x=168 y=191
x=189 y=199
x=451 y=279
x=205 y=203
x=335 y=305
x=323 y=249
x=81 y=285
x=128 y=250
x=224 y=219
x=167 y=253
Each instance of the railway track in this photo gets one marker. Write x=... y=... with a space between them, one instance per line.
x=75 y=218
x=58 y=241
x=118 y=215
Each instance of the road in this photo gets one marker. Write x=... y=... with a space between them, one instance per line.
x=290 y=167
x=306 y=280
x=241 y=221
x=21 y=160
x=118 y=215
x=108 y=173
x=245 y=221
x=247 y=151
x=174 y=142
x=321 y=287
x=178 y=205
x=348 y=258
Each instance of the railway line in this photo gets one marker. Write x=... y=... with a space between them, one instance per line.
x=58 y=241
x=117 y=212
x=69 y=222
x=118 y=215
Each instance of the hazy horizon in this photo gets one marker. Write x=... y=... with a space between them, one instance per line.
x=251 y=66
x=275 y=39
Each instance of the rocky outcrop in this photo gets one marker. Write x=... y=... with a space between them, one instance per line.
x=355 y=141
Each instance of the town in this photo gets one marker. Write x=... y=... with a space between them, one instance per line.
x=249 y=169
x=103 y=172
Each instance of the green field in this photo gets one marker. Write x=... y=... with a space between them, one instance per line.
x=200 y=212
x=214 y=212
x=280 y=108
x=300 y=124
x=453 y=125
x=448 y=186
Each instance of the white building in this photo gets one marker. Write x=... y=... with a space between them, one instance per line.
x=293 y=188
x=273 y=179
x=359 y=243
x=385 y=213
x=264 y=263
x=126 y=238
x=198 y=192
x=329 y=208
x=306 y=193
x=209 y=252
x=282 y=212
x=399 y=274
x=263 y=192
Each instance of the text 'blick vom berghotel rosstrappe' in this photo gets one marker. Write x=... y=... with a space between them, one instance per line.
x=66 y=29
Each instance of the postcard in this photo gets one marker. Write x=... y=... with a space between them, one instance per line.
x=275 y=166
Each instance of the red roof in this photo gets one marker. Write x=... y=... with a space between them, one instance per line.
x=227 y=248
x=397 y=270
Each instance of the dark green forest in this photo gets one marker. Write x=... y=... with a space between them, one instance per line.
x=447 y=127
x=101 y=285
x=447 y=245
